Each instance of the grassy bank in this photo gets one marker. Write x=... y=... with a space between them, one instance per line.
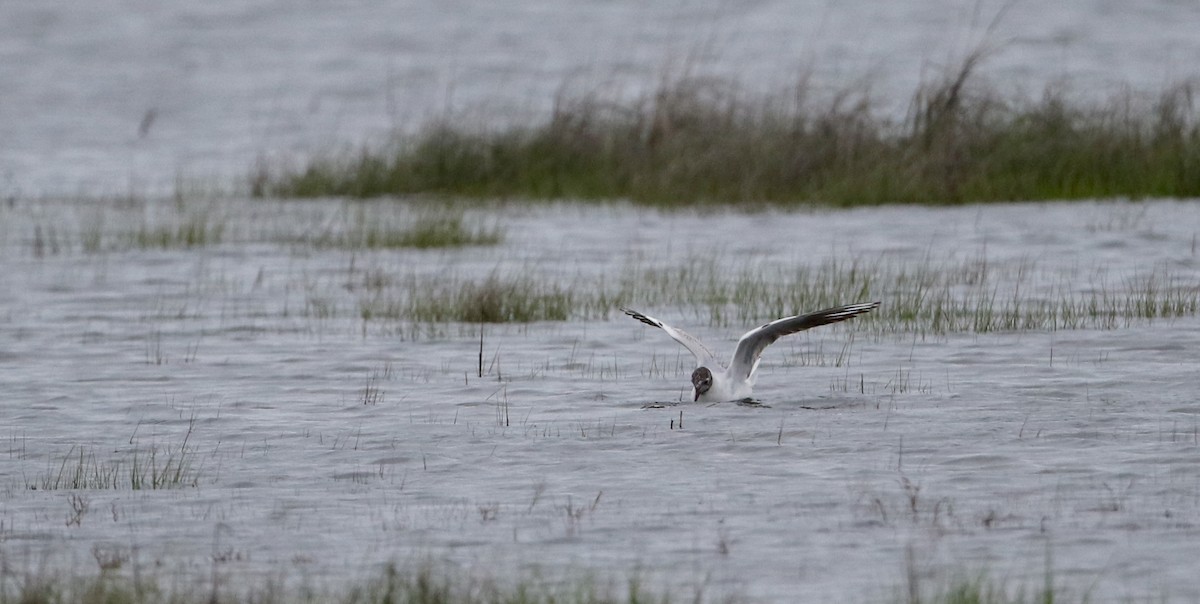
x=696 y=142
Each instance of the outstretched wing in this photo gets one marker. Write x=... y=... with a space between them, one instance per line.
x=704 y=356
x=750 y=346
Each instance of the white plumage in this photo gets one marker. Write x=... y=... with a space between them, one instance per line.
x=712 y=381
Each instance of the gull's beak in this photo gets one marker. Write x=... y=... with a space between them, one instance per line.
x=697 y=394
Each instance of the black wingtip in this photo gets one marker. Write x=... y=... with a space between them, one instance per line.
x=838 y=314
x=859 y=308
x=853 y=310
x=640 y=317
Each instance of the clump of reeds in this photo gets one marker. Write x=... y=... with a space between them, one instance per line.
x=196 y=230
x=191 y=230
x=497 y=299
x=153 y=467
x=921 y=297
x=447 y=231
x=979 y=588
x=424 y=231
x=699 y=141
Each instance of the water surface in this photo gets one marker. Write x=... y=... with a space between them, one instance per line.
x=322 y=446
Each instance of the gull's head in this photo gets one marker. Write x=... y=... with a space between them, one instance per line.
x=702 y=380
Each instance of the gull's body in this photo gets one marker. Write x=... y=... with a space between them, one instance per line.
x=713 y=382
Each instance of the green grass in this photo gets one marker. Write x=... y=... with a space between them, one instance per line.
x=440 y=229
x=982 y=590
x=497 y=299
x=696 y=142
x=979 y=588
x=389 y=586
x=427 y=586
x=925 y=297
x=180 y=229
x=197 y=230
x=362 y=227
x=446 y=231
x=153 y=467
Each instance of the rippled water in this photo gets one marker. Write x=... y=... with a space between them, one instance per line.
x=322 y=446
x=120 y=97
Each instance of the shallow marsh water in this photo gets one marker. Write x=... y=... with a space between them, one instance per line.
x=322 y=446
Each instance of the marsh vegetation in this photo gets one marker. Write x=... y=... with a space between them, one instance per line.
x=927 y=297
x=425 y=230
x=702 y=141
x=145 y=225
x=924 y=294
x=428 y=583
x=153 y=466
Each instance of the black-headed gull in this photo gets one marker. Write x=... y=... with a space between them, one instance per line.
x=713 y=382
